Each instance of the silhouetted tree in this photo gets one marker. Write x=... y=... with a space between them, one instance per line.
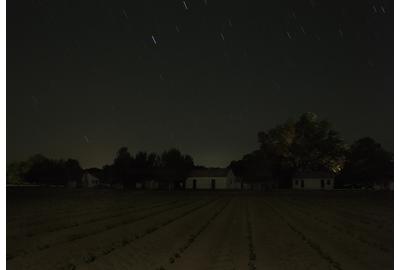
x=170 y=167
x=305 y=145
x=45 y=171
x=122 y=166
x=366 y=163
x=108 y=174
x=174 y=159
x=143 y=160
x=16 y=172
x=254 y=168
x=176 y=165
x=73 y=171
x=39 y=170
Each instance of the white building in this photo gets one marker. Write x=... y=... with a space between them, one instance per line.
x=211 y=179
x=313 y=181
x=90 y=180
x=151 y=184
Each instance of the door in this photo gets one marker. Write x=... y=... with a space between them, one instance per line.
x=212 y=184
x=194 y=183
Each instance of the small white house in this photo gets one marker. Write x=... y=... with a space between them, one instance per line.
x=212 y=179
x=384 y=184
x=90 y=180
x=151 y=184
x=313 y=181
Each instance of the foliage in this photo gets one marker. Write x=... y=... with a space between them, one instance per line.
x=16 y=172
x=307 y=144
x=366 y=163
x=127 y=169
x=41 y=170
x=304 y=145
x=121 y=166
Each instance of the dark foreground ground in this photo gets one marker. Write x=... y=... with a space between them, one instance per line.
x=51 y=228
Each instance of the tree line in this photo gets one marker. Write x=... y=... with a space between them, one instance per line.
x=39 y=169
x=126 y=169
x=311 y=144
x=170 y=167
x=302 y=145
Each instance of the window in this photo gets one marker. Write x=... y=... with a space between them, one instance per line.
x=194 y=183
x=296 y=182
x=328 y=182
x=322 y=183
x=302 y=183
x=212 y=183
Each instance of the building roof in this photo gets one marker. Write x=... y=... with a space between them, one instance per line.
x=209 y=172
x=98 y=173
x=315 y=174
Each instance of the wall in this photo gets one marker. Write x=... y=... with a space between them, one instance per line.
x=205 y=182
x=151 y=184
x=313 y=183
x=88 y=180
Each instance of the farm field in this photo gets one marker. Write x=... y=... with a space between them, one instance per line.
x=54 y=228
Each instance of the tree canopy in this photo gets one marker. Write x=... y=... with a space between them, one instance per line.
x=39 y=169
x=366 y=163
x=306 y=144
x=128 y=169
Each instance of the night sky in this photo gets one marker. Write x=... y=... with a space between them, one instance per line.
x=87 y=77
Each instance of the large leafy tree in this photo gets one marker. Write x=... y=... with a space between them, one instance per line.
x=171 y=166
x=16 y=172
x=307 y=144
x=176 y=163
x=122 y=165
x=366 y=163
x=72 y=171
x=253 y=167
x=143 y=160
x=42 y=170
